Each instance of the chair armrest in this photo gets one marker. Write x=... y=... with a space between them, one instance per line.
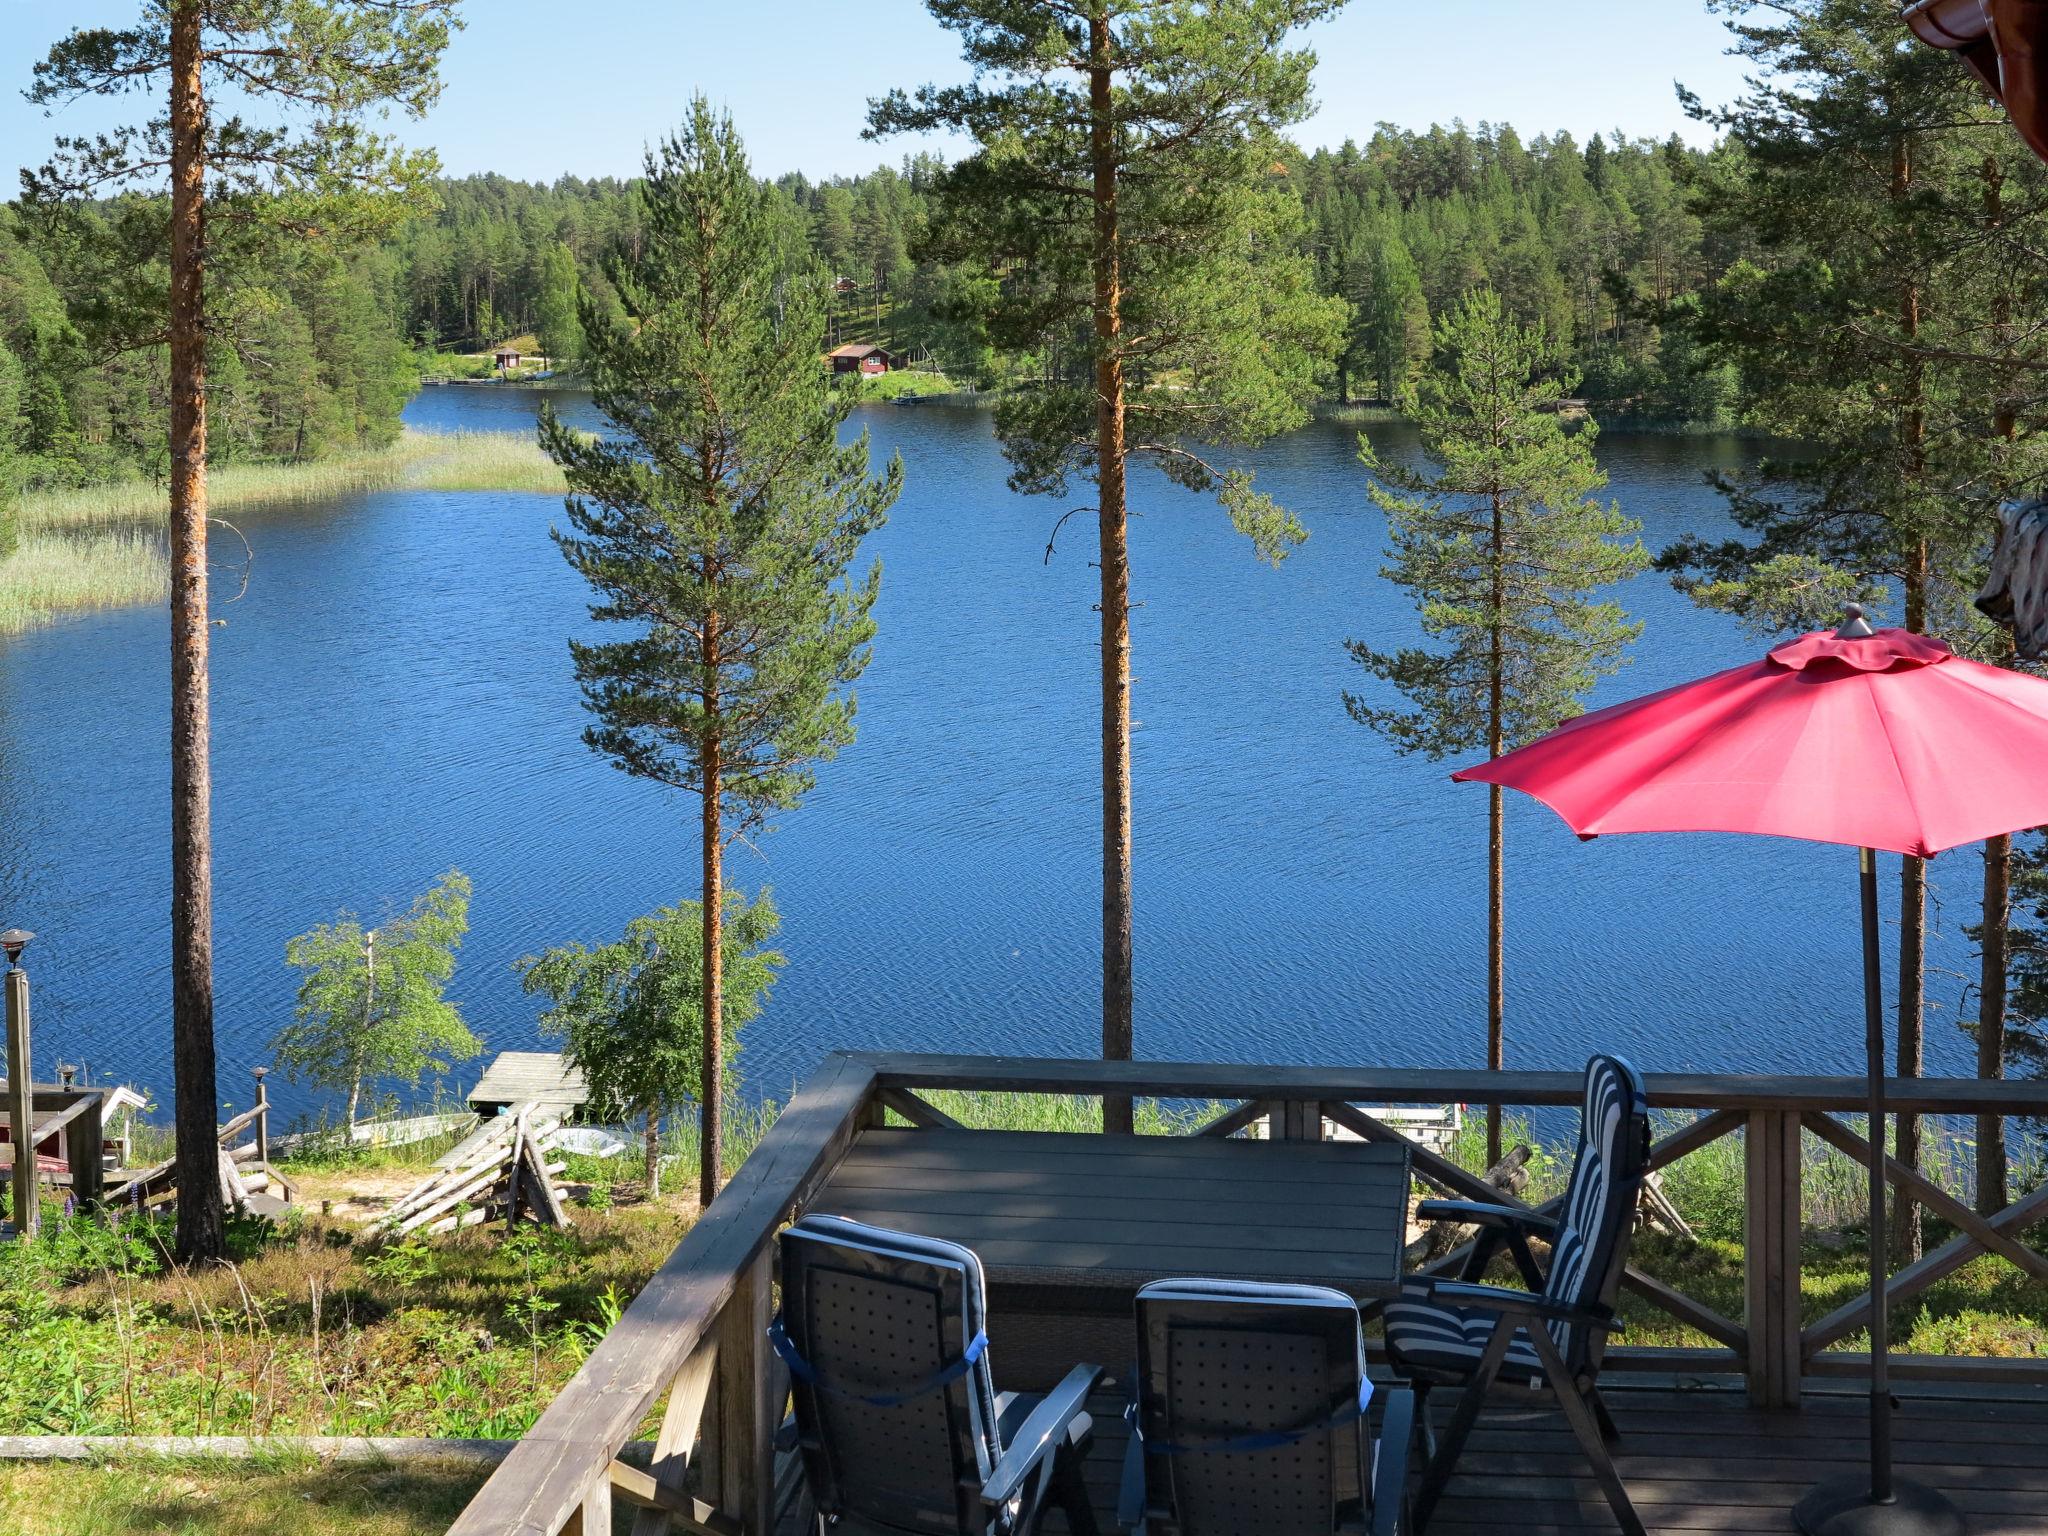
x=1390 y=1465
x=1522 y=1304
x=1477 y=1213
x=1040 y=1434
x=1130 y=1492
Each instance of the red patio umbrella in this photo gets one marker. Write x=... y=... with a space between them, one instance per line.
x=1875 y=739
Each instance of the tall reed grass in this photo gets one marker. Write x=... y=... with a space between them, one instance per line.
x=102 y=546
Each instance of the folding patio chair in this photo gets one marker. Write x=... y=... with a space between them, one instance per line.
x=1249 y=1416
x=1461 y=1333
x=897 y=1419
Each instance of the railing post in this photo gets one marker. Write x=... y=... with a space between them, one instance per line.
x=742 y=1453
x=594 y=1516
x=88 y=1142
x=262 y=1116
x=1298 y=1120
x=1771 y=1231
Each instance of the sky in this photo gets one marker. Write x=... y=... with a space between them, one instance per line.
x=539 y=88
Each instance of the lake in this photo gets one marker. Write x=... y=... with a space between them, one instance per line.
x=393 y=697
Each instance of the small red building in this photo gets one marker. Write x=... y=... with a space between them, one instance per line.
x=860 y=357
x=505 y=358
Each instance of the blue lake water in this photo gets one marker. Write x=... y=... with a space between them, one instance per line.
x=393 y=697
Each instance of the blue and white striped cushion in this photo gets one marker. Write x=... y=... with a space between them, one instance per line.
x=1428 y=1336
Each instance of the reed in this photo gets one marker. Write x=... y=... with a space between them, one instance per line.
x=52 y=574
x=102 y=546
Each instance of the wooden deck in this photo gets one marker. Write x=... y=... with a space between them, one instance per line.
x=1719 y=1437
x=1695 y=1462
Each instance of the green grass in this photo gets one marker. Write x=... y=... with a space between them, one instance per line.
x=135 y=1496
x=102 y=546
x=312 y=1330
x=888 y=386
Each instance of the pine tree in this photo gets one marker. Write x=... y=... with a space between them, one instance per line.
x=719 y=518
x=1867 y=185
x=1501 y=548
x=329 y=62
x=1130 y=185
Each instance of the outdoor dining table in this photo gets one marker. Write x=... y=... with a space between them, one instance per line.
x=1085 y=1220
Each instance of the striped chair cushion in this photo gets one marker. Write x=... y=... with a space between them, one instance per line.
x=1435 y=1339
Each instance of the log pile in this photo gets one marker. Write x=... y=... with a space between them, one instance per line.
x=502 y=1173
x=244 y=1172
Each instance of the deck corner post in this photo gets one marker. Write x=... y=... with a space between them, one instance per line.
x=1770 y=1242
x=88 y=1141
x=746 y=1412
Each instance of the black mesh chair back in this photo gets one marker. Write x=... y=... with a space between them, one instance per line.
x=1229 y=1376
x=897 y=1426
x=1590 y=1249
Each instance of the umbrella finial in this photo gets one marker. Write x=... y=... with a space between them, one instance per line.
x=1854 y=625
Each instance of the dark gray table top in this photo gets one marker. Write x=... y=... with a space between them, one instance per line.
x=1120 y=1210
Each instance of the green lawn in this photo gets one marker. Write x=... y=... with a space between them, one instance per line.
x=147 y=1497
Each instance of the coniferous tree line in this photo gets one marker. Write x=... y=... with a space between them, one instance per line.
x=1584 y=242
x=316 y=352
x=306 y=355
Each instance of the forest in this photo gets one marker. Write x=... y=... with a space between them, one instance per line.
x=316 y=352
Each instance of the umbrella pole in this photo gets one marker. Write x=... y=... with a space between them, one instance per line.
x=1880 y=1301
x=1877 y=1504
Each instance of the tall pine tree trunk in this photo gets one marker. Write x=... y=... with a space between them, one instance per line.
x=1912 y=871
x=1116 y=575
x=713 y=1101
x=1496 y=867
x=1991 y=997
x=1995 y=934
x=200 y=1236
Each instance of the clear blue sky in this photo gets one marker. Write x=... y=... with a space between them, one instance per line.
x=536 y=88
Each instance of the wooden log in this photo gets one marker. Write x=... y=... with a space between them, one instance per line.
x=1509 y=1176
x=514 y=1194
x=437 y=1187
x=1658 y=1210
x=459 y=1219
x=450 y=1197
x=237 y=1125
x=542 y=1198
x=230 y=1184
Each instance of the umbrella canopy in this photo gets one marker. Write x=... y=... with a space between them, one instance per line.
x=1887 y=740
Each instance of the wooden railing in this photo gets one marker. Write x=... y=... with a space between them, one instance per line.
x=692 y=1342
